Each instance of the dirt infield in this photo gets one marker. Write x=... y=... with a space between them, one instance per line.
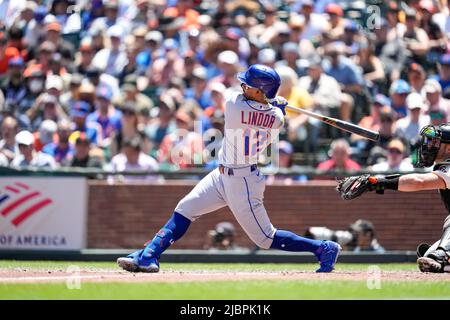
x=21 y=275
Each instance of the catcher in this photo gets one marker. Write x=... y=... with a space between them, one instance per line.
x=434 y=150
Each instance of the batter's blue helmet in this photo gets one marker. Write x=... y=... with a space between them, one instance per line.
x=261 y=77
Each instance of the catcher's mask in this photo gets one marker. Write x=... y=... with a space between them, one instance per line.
x=431 y=139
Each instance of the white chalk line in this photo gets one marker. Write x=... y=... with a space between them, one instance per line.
x=56 y=278
x=138 y=275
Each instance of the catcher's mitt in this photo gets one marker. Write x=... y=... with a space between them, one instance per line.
x=352 y=187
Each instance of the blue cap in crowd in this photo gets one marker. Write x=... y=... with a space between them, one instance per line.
x=104 y=92
x=79 y=109
x=400 y=87
x=16 y=62
x=382 y=100
x=233 y=33
x=40 y=13
x=351 y=26
x=445 y=59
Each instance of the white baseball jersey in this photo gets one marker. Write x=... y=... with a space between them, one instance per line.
x=249 y=128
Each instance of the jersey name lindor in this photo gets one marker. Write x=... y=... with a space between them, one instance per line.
x=259 y=119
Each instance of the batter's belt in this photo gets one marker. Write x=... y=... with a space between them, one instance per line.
x=238 y=172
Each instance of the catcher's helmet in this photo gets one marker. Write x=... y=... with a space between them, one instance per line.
x=431 y=139
x=263 y=78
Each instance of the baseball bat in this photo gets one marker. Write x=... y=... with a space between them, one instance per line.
x=340 y=124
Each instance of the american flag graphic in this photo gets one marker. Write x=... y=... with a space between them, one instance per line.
x=19 y=202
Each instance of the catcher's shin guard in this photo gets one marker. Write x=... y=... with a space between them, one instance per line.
x=444 y=244
x=438 y=260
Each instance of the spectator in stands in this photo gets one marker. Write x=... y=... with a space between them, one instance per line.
x=133 y=159
x=433 y=97
x=110 y=18
x=351 y=38
x=13 y=86
x=390 y=48
x=409 y=127
x=105 y=114
x=84 y=155
x=61 y=150
x=444 y=71
x=27 y=156
x=132 y=95
x=395 y=161
x=166 y=67
x=286 y=161
x=416 y=39
x=183 y=147
x=372 y=68
x=228 y=64
x=54 y=86
x=199 y=92
x=85 y=57
x=163 y=123
x=346 y=74
x=35 y=86
x=69 y=20
x=9 y=129
x=184 y=9
x=79 y=112
x=325 y=90
x=114 y=59
x=372 y=121
x=315 y=24
x=69 y=97
x=436 y=36
x=129 y=128
x=289 y=88
x=336 y=20
x=326 y=99
x=267 y=56
x=43 y=56
x=86 y=93
x=54 y=36
x=35 y=30
x=340 y=158
x=290 y=55
x=387 y=132
x=217 y=98
x=45 y=135
x=46 y=107
x=416 y=77
x=398 y=92
x=6 y=54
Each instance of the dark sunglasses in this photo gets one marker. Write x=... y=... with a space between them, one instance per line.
x=394 y=151
x=128 y=112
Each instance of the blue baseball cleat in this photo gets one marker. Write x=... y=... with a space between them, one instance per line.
x=327 y=255
x=136 y=262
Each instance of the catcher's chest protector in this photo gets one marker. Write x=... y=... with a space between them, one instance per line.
x=445 y=193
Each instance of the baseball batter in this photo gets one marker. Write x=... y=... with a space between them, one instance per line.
x=252 y=120
x=434 y=150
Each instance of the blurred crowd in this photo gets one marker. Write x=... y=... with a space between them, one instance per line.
x=112 y=83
